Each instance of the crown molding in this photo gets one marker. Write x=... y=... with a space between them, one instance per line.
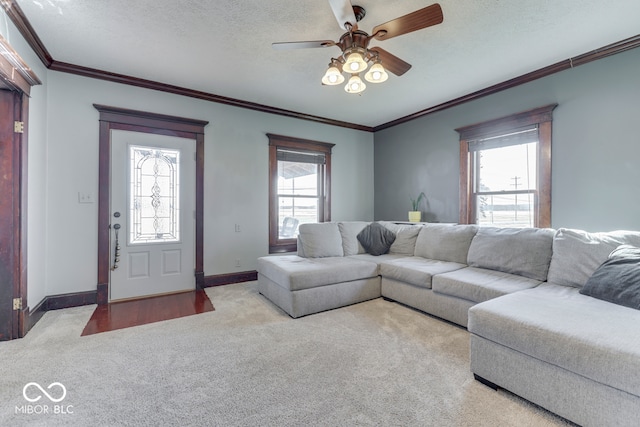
x=22 y=23
x=612 y=49
x=177 y=90
x=15 y=13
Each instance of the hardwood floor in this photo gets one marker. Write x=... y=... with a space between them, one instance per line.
x=119 y=315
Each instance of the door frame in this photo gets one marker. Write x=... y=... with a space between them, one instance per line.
x=13 y=210
x=159 y=124
x=16 y=80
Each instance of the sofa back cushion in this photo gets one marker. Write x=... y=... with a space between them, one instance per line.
x=406 y=235
x=320 y=240
x=522 y=251
x=445 y=242
x=349 y=232
x=577 y=254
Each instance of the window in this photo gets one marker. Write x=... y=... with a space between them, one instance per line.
x=299 y=188
x=505 y=170
x=154 y=196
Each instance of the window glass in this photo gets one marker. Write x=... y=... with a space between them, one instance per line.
x=506 y=185
x=153 y=195
x=300 y=174
x=507 y=168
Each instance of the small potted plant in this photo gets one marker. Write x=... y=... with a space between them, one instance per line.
x=415 y=215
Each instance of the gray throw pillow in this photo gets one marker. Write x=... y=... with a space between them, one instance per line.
x=376 y=239
x=617 y=280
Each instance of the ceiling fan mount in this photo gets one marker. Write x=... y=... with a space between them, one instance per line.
x=359 y=12
x=354 y=44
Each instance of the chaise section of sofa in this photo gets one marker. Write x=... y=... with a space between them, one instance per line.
x=573 y=354
x=302 y=286
x=323 y=278
x=332 y=268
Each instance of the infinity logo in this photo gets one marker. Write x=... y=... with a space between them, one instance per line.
x=43 y=391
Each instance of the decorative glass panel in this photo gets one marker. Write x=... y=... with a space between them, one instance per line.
x=154 y=208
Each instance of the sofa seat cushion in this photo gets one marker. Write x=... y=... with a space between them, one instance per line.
x=378 y=259
x=558 y=325
x=295 y=273
x=417 y=271
x=479 y=284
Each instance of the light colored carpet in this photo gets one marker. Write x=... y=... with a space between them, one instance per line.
x=248 y=364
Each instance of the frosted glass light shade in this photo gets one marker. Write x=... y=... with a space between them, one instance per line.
x=376 y=74
x=355 y=85
x=333 y=76
x=355 y=63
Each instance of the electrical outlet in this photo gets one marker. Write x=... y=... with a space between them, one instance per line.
x=238 y=263
x=237 y=228
x=85 y=197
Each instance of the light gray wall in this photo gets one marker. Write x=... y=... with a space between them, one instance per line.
x=236 y=175
x=63 y=160
x=595 y=148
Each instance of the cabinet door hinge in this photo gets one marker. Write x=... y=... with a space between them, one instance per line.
x=18 y=127
x=17 y=303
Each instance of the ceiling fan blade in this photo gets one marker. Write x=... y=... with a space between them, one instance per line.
x=343 y=11
x=423 y=18
x=391 y=62
x=302 y=45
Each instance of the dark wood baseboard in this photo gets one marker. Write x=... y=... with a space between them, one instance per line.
x=227 y=279
x=56 y=302
x=199 y=279
x=102 y=296
x=33 y=316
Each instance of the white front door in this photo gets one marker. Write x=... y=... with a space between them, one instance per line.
x=152 y=208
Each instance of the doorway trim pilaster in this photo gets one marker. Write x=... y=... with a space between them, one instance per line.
x=140 y=121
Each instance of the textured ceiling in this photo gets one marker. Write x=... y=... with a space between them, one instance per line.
x=223 y=47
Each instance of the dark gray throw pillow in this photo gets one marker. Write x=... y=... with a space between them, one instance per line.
x=617 y=280
x=376 y=239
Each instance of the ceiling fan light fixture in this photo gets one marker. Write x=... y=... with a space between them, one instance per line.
x=333 y=76
x=354 y=62
x=355 y=85
x=376 y=74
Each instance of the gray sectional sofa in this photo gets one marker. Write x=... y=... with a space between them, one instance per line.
x=517 y=290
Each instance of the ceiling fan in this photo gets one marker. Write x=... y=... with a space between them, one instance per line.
x=354 y=44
